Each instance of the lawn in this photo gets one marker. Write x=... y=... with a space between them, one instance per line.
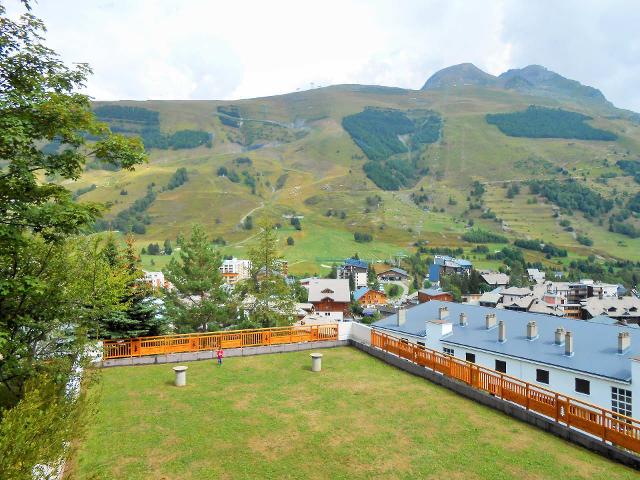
x=271 y=417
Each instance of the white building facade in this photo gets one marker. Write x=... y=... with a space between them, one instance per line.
x=593 y=362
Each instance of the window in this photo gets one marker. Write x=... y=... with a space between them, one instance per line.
x=470 y=357
x=583 y=386
x=501 y=366
x=621 y=401
x=421 y=344
x=448 y=351
x=542 y=376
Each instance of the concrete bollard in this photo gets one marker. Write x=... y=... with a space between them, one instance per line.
x=316 y=362
x=181 y=376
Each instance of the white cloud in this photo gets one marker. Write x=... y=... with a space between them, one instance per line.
x=201 y=49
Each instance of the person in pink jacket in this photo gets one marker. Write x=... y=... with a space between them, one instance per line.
x=220 y=355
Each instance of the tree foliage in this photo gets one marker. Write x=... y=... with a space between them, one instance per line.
x=477 y=235
x=541 y=122
x=572 y=195
x=196 y=302
x=265 y=299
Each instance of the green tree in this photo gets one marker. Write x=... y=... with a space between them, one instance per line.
x=53 y=287
x=290 y=241
x=168 y=250
x=265 y=299
x=333 y=273
x=140 y=316
x=196 y=302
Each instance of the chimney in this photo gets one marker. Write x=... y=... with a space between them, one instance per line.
x=624 y=342
x=463 y=319
x=568 y=344
x=502 y=331
x=600 y=295
x=443 y=312
x=490 y=320
x=532 y=330
x=402 y=316
x=559 y=336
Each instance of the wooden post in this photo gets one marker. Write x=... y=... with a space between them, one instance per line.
x=527 y=394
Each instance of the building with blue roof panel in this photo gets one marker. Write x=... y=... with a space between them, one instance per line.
x=597 y=361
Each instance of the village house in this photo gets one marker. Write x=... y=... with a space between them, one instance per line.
x=356 y=268
x=495 y=279
x=393 y=274
x=233 y=270
x=622 y=309
x=535 y=275
x=445 y=265
x=368 y=297
x=516 y=298
x=593 y=361
x=330 y=297
x=156 y=280
x=429 y=294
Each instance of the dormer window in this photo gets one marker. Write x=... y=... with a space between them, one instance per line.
x=327 y=290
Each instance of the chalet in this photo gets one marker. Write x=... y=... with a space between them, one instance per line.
x=330 y=297
x=429 y=294
x=356 y=268
x=393 y=274
x=445 y=265
x=368 y=297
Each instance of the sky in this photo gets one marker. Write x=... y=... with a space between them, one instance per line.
x=211 y=49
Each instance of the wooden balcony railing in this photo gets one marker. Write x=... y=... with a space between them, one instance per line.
x=608 y=426
x=195 y=342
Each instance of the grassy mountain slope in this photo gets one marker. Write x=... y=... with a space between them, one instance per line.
x=303 y=162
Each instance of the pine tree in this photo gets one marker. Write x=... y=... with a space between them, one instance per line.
x=266 y=299
x=168 y=250
x=198 y=299
x=140 y=317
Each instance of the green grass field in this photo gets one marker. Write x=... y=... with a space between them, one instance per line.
x=270 y=417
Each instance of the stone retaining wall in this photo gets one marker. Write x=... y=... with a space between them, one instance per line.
x=210 y=354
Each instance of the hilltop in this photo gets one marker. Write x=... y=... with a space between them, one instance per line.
x=402 y=165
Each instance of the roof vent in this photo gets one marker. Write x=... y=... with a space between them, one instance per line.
x=624 y=342
x=502 y=331
x=402 y=316
x=490 y=320
x=463 y=319
x=532 y=330
x=559 y=336
x=568 y=344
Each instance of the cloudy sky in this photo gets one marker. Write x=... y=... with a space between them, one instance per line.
x=210 y=49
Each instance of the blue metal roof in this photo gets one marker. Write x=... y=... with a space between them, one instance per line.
x=359 y=293
x=432 y=291
x=595 y=343
x=463 y=263
x=354 y=262
x=434 y=272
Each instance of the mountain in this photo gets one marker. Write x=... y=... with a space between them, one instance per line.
x=459 y=75
x=532 y=80
x=400 y=165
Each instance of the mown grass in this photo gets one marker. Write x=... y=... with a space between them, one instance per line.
x=270 y=417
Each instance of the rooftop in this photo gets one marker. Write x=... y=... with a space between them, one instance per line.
x=354 y=262
x=595 y=350
x=269 y=416
x=335 y=289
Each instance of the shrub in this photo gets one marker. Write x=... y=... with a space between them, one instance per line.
x=482 y=236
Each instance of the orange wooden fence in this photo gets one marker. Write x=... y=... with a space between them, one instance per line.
x=195 y=342
x=604 y=424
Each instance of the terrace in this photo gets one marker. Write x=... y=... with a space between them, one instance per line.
x=269 y=416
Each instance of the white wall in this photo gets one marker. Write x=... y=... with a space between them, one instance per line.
x=560 y=380
x=361 y=333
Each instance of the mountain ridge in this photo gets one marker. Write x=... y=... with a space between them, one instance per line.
x=533 y=79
